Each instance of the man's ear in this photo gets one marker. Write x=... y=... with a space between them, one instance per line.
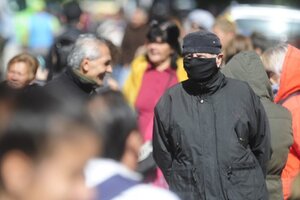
x=84 y=65
x=219 y=60
x=16 y=172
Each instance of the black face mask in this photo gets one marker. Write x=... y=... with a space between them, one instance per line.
x=200 y=69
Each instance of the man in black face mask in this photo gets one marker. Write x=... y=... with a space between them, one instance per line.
x=211 y=135
x=202 y=56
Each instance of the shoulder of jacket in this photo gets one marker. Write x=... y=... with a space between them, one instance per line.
x=241 y=89
x=236 y=81
x=278 y=111
x=63 y=81
x=179 y=62
x=238 y=84
x=139 y=63
x=173 y=90
x=170 y=94
x=64 y=77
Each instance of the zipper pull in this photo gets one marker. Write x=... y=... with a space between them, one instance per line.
x=194 y=175
x=229 y=172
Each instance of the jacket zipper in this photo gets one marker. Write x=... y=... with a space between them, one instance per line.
x=217 y=155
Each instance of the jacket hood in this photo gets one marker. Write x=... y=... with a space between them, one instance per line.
x=289 y=79
x=247 y=66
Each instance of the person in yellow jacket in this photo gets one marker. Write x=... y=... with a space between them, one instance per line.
x=151 y=74
x=134 y=81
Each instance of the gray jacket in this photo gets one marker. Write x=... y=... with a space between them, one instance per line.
x=212 y=142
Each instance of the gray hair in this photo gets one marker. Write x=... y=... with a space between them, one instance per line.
x=86 y=46
x=273 y=58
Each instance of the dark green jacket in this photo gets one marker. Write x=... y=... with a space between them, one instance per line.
x=248 y=67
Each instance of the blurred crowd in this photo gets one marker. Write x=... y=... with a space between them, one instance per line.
x=78 y=92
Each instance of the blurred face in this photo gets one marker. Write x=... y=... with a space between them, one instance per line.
x=138 y=18
x=19 y=75
x=159 y=52
x=60 y=176
x=225 y=38
x=97 y=68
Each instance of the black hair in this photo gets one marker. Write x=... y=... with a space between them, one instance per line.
x=167 y=32
x=37 y=120
x=115 y=121
x=72 y=11
x=260 y=41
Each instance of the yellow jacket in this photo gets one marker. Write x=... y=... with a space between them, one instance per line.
x=134 y=81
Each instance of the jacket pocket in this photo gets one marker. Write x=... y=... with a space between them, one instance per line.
x=245 y=182
x=183 y=179
x=238 y=173
x=186 y=183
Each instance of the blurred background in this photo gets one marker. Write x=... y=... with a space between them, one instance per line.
x=274 y=20
x=48 y=29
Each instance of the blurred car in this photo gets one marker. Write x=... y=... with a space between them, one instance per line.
x=276 y=23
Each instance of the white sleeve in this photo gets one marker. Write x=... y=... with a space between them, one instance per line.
x=146 y=192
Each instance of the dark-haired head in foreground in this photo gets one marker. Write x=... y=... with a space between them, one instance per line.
x=114 y=176
x=44 y=150
x=117 y=123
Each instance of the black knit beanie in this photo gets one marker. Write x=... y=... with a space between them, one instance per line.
x=201 y=42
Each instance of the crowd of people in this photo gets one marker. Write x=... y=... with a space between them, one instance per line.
x=148 y=109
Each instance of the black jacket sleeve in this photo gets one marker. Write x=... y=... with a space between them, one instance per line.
x=260 y=139
x=161 y=146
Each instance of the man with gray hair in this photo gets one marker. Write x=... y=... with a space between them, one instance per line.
x=88 y=62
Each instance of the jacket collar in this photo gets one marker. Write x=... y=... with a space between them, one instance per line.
x=81 y=81
x=209 y=87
